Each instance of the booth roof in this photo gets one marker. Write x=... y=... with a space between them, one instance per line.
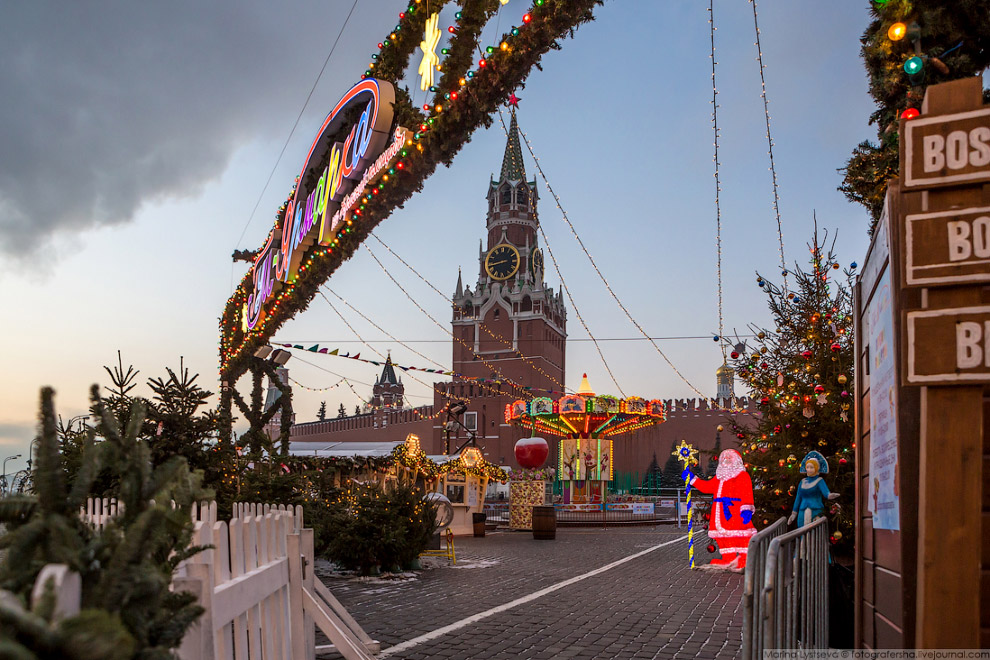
x=342 y=449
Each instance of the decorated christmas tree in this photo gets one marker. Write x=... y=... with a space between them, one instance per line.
x=909 y=45
x=801 y=375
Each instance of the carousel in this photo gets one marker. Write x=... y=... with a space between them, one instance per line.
x=586 y=424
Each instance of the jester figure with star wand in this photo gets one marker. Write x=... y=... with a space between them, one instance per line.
x=731 y=517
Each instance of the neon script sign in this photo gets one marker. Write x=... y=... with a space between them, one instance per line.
x=315 y=215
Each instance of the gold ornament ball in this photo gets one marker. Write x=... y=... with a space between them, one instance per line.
x=761 y=335
x=788 y=446
x=719 y=428
x=842 y=379
x=752 y=447
x=809 y=368
x=763 y=350
x=818 y=376
x=804 y=434
x=837 y=535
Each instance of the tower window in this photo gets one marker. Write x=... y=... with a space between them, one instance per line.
x=506 y=195
x=522 y=197
x=497 y=310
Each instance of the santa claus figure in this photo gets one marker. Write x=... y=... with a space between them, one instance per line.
x=731 y=517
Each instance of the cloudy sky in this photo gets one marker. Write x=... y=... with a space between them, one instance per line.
x=136 y=140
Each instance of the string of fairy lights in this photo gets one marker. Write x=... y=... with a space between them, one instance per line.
x=380 y=329
x=488 y=364
x=773 y=169
x=718 y=185
x=563 y=213
x=497 y=337
x=375 y=350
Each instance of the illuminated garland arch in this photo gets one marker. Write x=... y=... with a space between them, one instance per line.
x=464 y=98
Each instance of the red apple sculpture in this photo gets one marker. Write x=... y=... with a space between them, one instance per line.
x=532 y=453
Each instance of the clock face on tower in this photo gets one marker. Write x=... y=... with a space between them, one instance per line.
x=502 y=262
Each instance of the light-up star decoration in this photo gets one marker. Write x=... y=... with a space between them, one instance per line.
x=431 y=37
x=686 y=454
x=514 y=100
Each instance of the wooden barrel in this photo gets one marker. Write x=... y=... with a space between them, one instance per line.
x=544 y=523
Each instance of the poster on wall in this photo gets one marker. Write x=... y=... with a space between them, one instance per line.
x=884 y=494
x=472 y=492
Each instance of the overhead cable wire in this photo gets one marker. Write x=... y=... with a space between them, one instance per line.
x=773 y=169
x=560 y=207
x=718 y=187
x=296 y=124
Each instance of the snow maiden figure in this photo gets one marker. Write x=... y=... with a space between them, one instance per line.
x=812 y=491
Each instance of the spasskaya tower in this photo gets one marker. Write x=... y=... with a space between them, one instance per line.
x=510 y=330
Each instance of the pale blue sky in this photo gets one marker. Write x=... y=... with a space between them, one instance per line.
x=136 y=146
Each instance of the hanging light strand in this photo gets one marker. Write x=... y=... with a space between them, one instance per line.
x=497 y=337
x=488 y=364
x=382 y=330
x=577 y=311
x=563 y=213
x=773 y=169
x=318 y=389
x=379 y=353
x=718 y=185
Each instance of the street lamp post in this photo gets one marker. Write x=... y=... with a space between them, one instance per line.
x=4 y=473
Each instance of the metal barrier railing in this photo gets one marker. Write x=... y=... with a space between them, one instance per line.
x=795 y=589
x=753 y=580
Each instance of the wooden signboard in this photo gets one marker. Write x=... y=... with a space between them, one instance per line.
x=947 y=149
x=947 y=247
x=948 y=346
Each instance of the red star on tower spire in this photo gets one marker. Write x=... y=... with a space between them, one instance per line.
x=514 y=100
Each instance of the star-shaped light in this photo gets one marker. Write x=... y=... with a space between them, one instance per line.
x=514 y=100
x=686 y=454
x=431 y=37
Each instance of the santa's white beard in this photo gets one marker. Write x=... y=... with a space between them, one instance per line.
x=728 y=469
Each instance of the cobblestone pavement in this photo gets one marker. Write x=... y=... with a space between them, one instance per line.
x=649 y=607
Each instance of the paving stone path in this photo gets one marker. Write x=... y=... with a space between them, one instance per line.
x=651 y=606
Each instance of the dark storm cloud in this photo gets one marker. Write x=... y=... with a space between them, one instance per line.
x=107 y=105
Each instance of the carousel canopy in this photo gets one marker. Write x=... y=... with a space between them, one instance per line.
x=593 y=416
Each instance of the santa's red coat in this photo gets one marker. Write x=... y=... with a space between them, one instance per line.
x=726 y=521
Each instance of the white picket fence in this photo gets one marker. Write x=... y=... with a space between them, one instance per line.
x=255 y=583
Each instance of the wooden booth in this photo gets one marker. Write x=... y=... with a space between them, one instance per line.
x=464 y=489
x=922 y=370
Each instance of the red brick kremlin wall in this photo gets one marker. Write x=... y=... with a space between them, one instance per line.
x=692 y=420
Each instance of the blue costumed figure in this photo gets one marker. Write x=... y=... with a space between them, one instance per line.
x=812 y=491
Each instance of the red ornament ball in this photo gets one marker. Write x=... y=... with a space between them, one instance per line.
x=836 y=347
x=819 y=389
x=532 y=452
x=734 y=355
x=710 y=548
x=806 y=354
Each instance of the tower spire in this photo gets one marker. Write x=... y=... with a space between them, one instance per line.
x=512 y=161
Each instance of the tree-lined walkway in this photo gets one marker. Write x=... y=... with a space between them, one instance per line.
x=617 y=593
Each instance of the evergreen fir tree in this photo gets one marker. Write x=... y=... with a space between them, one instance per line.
x=126 y=568
x=672 y=471
x=713 y=459
x=177 y=425
x=357 y=410
x=321 y=414
x=953 y=41
x=801 y=375
x=341 y=412
x=653 y=479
